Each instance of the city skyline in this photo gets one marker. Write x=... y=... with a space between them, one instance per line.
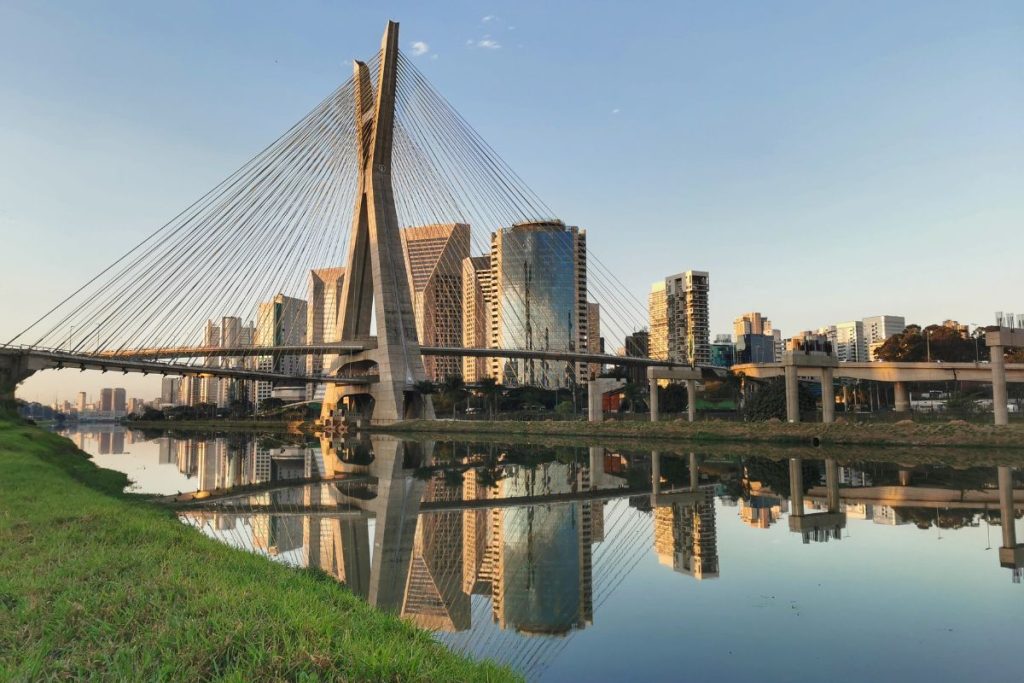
x=925 y=296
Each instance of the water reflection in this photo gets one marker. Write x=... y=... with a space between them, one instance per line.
x=512 y=552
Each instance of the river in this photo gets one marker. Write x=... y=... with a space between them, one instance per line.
x=584 y=562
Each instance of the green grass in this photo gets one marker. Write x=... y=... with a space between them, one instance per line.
x=95 y=584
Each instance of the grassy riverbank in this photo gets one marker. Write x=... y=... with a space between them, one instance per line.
x=954 y=434
x=98 y=584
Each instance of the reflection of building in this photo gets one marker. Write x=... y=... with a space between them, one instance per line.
x=887 y=515
x=433 y=260
x=539 y=278
x=542 y=581
x=476 y=313
x=434 y=596
x=761 y=512
x=685 y=537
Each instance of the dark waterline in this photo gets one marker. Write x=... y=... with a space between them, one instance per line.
x=584 y=569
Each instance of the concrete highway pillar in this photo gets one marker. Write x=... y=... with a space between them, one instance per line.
x=596 y=466
x=792 y=395
x=828 y=397
x=691 y=399
x=999 y=385
x=1006 y=507
x=694 y=472
x=902 y=397
x=655 y=472
x=796 y=486
x=832 y=484
x=654 y=401
x=595 y=412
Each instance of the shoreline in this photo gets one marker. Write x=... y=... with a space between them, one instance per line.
x=97 y=582
x=953 y=434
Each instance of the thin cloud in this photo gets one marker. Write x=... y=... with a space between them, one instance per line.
x=420 y=48
x=615 y=111
x=488 y=44
x=488 y=18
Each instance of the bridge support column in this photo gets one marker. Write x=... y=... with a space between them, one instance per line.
x=828 y=397
x=901 y=397
x=999 y=408
x=654 y=401
x=596 y=389
x=655 y=473
x=1006 y=512
x=691 y=399
x=792 y=395
x=694 y=472
x=796 y=486
x=14 y=369
x=832 y=484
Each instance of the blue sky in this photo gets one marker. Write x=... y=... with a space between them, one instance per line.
x=823 y=160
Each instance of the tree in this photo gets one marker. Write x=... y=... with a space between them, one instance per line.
x=634 y=395
x=937 y=342
x=453 y=388
x=770 y=401
x=490 y=390
x=565 y=409
x=270 y=404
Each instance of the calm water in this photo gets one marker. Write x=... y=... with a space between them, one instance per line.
x=592 y=563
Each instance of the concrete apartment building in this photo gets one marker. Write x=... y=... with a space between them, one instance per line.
x=433 y=261
x=679 y=318
x=280 y=322
x=477 y=299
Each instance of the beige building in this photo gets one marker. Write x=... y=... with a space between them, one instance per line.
x=434 y=255
x=477 y=299
x=679 y=324
x=280 y=322
x=322 y=311
x=685 y=538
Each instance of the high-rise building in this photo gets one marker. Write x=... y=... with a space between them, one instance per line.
x=120 y=402
x=637 y=345
x=723 y=351
x=847 y=340
x=322 y=313
x=433 y=260
x=170 y=387
x=878 y=328
x=477 y=298
x=209 y=387
x=595 y=342
x=80 y=403
x=106 y=400
x=233 y=335
x=678 y=309
x=539 y=279
x=756 y=340
x=280 y=322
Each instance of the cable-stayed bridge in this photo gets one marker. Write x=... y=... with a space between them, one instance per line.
x=432 y=257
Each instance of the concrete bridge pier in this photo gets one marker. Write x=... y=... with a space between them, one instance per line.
x=1011 y=554
x=796 y=486
x=596 y=389
x=15 y=368
x=792 y=395
x=694 y=472
x=691 y=399
x=828 y=397
x=652 y=402
x=684 y=374
x=901 y=397
x=999 y=398
x=655 y=473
